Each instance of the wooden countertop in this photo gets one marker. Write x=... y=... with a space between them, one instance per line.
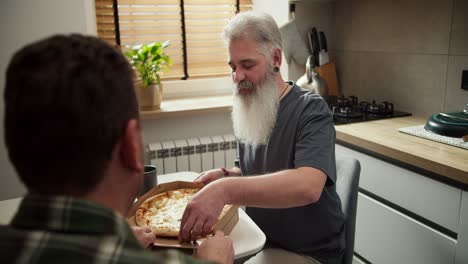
x=383 y=137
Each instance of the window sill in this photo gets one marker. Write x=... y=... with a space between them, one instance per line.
x=189 y=106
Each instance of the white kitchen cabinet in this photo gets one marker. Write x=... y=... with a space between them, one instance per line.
x=462 y=242
x=430 y=199
x=383 y=235
x=387 y=233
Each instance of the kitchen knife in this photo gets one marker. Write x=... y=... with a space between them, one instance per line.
x=323 y=54
x=312 y=60
x=315 y=45
x=323 y=41
x=311 y=44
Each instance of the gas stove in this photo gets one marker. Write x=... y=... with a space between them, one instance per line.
x=349 y=109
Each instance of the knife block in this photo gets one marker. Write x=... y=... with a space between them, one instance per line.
x=328 y=73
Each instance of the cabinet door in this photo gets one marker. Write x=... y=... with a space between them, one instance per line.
x=433 y=200
x=462 y=245
x=384 y=235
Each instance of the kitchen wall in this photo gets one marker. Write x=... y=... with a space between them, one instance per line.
x=24 y=21
x=309 y=14
x=409 y=52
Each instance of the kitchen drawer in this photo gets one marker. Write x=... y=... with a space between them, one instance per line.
x=384 y=235
x=430 y=199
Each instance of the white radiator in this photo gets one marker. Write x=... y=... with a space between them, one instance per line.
x=193 y=154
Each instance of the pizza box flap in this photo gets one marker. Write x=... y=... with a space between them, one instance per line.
x=229 y=221
x=226 y=223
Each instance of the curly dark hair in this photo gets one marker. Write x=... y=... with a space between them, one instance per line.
x=67 y=99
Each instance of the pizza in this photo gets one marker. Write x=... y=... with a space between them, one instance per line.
x=163 y=212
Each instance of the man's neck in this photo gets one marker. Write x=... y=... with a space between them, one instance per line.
x=113 y=192
x=283 y=86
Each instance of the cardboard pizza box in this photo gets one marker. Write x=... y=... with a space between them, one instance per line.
x=225 y=224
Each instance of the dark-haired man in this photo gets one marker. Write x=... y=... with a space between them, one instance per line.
x=73 y=135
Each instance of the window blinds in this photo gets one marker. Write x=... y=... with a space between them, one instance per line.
x=194 y=28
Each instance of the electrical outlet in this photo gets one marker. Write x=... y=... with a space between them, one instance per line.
x=464 y=82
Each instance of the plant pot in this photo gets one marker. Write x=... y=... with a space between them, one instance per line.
x=150 y=97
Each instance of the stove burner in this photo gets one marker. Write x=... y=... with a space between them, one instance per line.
x=385 y=108
x=350 y=110
x=346 y=101
x=347 y=111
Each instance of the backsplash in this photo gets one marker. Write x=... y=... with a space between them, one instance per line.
x=409 y=52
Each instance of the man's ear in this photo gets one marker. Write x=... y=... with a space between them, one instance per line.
x=131 y=150
x=277 y=57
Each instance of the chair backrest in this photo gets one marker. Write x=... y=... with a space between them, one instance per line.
x=347 y=184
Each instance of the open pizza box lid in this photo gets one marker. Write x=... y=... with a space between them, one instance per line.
x=225 y=224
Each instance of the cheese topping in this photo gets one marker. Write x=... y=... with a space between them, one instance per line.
x=168 y=212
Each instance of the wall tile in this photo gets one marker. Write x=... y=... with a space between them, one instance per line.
x=459 y=36
x=413 y=83
x=455 y=97
x=409 y=26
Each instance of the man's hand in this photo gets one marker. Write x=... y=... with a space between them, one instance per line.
x=218 y=249
x=201 y=212
x=144 y=235
x=209 y=176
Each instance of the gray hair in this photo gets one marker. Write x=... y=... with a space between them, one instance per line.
x=257 y=26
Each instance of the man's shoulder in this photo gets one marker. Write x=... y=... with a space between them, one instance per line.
x=52 y=247
x=306 y=95
x=310 y=101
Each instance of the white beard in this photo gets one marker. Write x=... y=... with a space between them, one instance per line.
x=254 y=115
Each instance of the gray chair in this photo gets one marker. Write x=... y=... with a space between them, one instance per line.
x=348 y=170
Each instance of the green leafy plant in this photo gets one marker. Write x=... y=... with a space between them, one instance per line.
x=149 y=60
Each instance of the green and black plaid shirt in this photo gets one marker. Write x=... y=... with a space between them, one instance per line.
x=69 y=230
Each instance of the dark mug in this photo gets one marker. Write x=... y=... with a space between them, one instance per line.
x=150 y=179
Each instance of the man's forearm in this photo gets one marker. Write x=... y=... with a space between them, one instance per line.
x=288 y=188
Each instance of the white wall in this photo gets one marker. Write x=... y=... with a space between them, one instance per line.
x=277 y=8
x=23 y=21
x=185 y=127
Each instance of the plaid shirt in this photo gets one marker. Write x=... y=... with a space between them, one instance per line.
x=69 y=230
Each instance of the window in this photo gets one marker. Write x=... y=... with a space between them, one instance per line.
x=194 y=28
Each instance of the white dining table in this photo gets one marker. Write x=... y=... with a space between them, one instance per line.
x=246 y=236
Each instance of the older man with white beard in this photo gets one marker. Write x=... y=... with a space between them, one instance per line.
x=287 y=168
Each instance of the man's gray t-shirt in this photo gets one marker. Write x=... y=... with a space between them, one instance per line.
x=304 y=136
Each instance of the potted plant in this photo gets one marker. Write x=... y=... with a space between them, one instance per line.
x=149 y=60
